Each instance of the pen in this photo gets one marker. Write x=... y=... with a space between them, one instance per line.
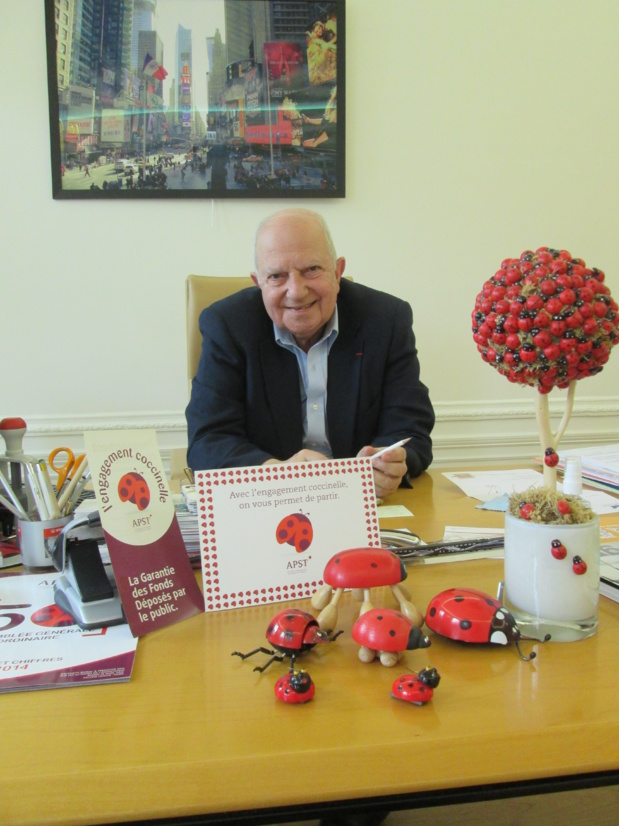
x=72 y=503
x=68 y=490
x=407 y=546
x=49 y=496
x=35 y=489
x=391 y=447
x=20 y=513
x=16 y=504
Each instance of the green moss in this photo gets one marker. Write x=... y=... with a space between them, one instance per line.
x=545 y=507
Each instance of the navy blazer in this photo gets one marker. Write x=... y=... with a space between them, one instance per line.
x=245 y=404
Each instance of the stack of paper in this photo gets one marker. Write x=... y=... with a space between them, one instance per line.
x=600 y=465
x=188 y=523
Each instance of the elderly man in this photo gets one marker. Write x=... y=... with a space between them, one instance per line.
x=308 y=366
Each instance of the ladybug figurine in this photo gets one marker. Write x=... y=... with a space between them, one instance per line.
x=416 y=688
x=468 y=615
x=295 y=687
x=291 y=632
x=386 y=633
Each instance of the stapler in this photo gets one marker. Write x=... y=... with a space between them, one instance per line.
x=87 y=588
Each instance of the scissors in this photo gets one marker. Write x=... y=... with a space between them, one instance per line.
x=70 y=466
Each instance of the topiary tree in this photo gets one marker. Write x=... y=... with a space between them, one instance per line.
x=546 y=320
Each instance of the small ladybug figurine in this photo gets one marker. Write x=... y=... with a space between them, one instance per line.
x=579 y=566
x=291 y=632
x=558 y=549
x=416 y=688
x=468 y=615
x=295 y=687
x=551 y=457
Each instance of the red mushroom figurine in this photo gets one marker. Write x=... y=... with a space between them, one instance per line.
x=386 y=633
x=362 y=569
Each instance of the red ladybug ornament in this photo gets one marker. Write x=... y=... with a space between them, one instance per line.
x=472 y=616
x=291 y=632
x=386 y=633
x=362 y=569
x=526 y=510
x=295 y=688
x=579 y=566
x=558 y=549
x=551 y=457
x=417 y=689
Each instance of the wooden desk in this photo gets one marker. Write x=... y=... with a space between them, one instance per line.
x=197 y=732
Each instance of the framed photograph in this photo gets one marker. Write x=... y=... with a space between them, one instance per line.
x=196 y=98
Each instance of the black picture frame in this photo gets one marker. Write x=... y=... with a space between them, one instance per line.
x=258 y=110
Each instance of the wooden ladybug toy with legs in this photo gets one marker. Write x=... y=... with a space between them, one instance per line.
x=468 y=615
x=290 y=632
x=362 y=569
x=385 y=633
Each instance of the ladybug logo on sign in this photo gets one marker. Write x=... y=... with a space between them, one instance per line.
x=295 y=530
x=133 y=488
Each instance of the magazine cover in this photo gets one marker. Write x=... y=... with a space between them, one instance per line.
x=42 y=647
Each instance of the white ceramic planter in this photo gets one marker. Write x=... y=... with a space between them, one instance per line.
x=548 y=595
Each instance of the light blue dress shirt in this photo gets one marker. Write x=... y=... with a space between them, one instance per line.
x=313 y=372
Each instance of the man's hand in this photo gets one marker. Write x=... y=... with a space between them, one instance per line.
x=389 y=469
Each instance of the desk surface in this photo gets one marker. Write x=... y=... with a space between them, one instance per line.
x=198 y=732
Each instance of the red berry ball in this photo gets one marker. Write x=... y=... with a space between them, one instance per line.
x=545 y=319
x=563 y=507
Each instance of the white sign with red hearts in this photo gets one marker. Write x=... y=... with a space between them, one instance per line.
x=267 y=532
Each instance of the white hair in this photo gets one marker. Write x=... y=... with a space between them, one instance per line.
x=296 y=212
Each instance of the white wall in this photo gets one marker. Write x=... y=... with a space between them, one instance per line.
x=476 y=129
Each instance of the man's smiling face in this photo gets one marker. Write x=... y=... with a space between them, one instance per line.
x=297 y=274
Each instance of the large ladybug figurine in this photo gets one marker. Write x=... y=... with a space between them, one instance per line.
x=468 y=615
x=291 y=632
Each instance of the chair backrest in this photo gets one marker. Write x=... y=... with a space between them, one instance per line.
x=200 y=292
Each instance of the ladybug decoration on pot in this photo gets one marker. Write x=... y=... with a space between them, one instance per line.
x=291 y=632
x=472 y=616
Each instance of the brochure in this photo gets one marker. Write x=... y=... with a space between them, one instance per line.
x=156 y=583
x=42 y=647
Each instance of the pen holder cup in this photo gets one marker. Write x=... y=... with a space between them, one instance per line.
x=552 y=578
x=36 y=541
